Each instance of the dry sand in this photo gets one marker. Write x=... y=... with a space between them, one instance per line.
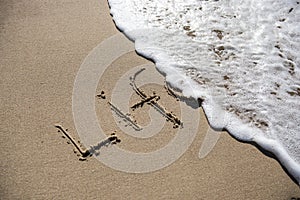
x=43 y=44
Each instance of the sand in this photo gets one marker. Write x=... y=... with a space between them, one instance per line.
x=43 y=44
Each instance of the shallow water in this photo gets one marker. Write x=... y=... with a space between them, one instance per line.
x=240 y=57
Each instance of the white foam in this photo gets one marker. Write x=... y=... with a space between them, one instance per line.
x=241 y=57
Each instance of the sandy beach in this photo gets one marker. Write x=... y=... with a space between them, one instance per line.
x=43 y=44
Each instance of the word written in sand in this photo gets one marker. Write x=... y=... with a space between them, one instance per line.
x=147 y=100
x=170 y=92
x=112 y=139
x=168 y=115
x=179 y=97
x=126 y=117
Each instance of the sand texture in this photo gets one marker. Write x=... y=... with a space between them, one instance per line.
x=43 y=44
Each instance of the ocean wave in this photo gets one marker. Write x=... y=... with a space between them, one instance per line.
x=240 y=57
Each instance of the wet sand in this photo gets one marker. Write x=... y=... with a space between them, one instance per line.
x=43 y=44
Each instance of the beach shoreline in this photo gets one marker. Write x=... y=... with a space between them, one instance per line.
x=43 y=45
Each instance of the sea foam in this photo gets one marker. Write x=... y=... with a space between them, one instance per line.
x=240 y=57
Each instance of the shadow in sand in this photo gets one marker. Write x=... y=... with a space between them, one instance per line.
x=126 y=117
x=153 y=101
x=191 y=102
x=268 y=154
x=112 y=139
x=261 y=149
